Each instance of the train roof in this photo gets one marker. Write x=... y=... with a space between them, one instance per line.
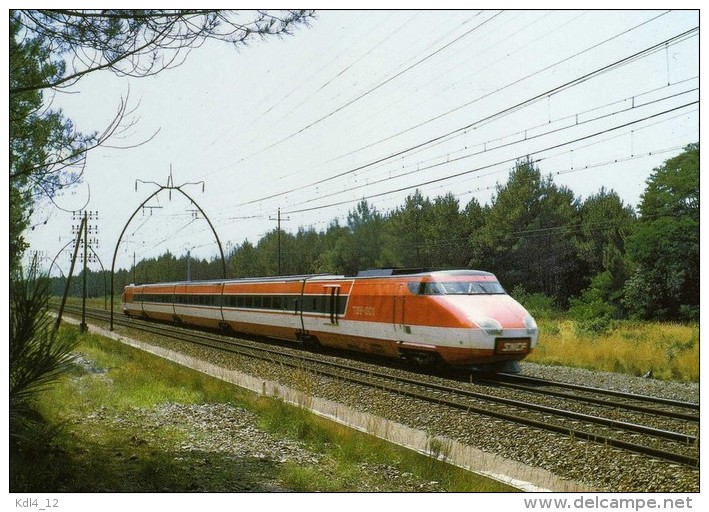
x=363 y=274
x=420 y=272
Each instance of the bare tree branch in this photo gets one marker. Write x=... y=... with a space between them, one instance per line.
x=142 y=42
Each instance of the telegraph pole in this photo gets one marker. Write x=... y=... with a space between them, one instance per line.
x=278 y=231
x=83 y=325
x=68 y=279
x=88 y=215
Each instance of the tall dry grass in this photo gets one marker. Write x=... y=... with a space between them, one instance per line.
x=670 y=350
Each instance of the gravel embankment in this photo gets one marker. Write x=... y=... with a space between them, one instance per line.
x=602 y=468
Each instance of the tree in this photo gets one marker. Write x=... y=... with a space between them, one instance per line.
x=39 y=136
x=529 y=234
x=447 y=237
x=606 y=223
x=141 y=42
x=664 y=248
x=37 y=353
x=332 y=241
x=362 y=248
x=474 y=220
x=53 y=49
x=407 y=232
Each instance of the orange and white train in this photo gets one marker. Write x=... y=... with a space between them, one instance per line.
x=461 y=318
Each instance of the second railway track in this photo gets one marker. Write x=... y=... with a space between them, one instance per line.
x=658 y=428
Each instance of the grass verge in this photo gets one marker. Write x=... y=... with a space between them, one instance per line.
x=670 y=350
x=101 y=435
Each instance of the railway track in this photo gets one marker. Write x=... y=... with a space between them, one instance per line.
x=654 y=427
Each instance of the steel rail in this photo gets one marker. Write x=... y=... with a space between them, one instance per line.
x=336 y=371
x=623 y=394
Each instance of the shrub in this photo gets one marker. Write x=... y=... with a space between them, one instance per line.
x=593 y=311
x=538 y=304
x=37 y=355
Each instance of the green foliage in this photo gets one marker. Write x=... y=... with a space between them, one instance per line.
x=43 y=143
x=528 y=236
x=664 y=247
x=538 y=304
x=112 y=442
x=605 y=224
x=52 y=49
x=37 y=355
x=597 y=306
x=552 y=250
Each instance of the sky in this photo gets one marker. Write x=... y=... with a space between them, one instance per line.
x=375 y=105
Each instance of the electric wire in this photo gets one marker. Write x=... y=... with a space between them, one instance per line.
x=505 y=161
x=486 y=150
x=495 y=115
x=371 y=90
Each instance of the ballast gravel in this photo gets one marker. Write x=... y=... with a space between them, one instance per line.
x=600 y=467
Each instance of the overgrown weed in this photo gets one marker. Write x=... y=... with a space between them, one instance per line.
x=670 y=350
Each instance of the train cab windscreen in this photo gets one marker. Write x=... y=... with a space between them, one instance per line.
x=457 y=288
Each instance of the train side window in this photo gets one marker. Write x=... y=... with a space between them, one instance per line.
x=417 y=287
x=432 y=289
x=341 y=304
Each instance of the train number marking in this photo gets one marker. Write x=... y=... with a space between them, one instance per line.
x=363 y=310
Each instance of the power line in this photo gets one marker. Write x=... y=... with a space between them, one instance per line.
x=372 y=89
x=506 y=161
x=496 y=115
x=488 y=149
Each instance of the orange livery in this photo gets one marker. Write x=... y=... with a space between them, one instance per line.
x=461 y=318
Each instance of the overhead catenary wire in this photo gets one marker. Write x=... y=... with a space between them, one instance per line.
x=486 y=149
x=540 y=96
x=448 y=158
x=498 y=90
x=273 y=107
x=505 y=161
x=373 y=88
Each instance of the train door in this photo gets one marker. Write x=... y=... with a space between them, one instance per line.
x=400 y=325
x=330 y=303
x=220 y=303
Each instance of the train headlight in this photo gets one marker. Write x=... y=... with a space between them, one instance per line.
x=531 y=325
x=491 y=326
